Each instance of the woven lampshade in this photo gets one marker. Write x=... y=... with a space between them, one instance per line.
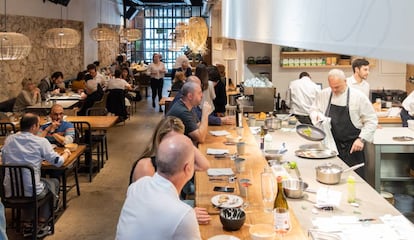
x=131 y=34
x=14 y=46
x=102 y=34
x=197 y=34
x=229 y=51
x=61 y=38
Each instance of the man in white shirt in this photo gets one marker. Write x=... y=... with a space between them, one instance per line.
x=152 y=209
x=407 y=110
x=300 y=97
x=353 y=118
x=358 y=81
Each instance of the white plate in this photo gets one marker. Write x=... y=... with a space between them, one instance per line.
x=224 y=237
x=227 y=201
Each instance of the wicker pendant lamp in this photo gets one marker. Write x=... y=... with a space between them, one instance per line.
x=102 y=33
x=197 y=34
x=13 y=46
x=131 y=34
x=229 y=51
x=61 y=37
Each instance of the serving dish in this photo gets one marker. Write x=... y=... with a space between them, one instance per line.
x=227 y=201
x=310 y=132
x=315 y=153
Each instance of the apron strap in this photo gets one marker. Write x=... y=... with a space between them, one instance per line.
x=328 y=108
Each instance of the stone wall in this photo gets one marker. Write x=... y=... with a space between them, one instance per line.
x=41 y=61
x=108 y=50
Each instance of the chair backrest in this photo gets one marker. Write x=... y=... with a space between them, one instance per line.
x=6 y=128
x=82 y=132
x=7 y=106
x=12 y=184
x=96 y=111
x=102 y=102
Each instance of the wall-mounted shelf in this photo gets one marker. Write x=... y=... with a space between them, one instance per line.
x=312 y=59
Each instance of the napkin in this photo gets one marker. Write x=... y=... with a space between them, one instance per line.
x=219 y=133
x=220 y=172
x=215 y=151
x=327 y=197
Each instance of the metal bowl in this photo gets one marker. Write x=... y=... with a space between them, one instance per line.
x=273 y=154
x=294 y=188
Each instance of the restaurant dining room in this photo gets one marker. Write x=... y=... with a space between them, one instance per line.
x=206 y=119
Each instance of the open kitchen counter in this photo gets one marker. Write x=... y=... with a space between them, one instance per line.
x=365 y=216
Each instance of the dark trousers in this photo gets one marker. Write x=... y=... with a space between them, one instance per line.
x=405 y=116
x=156 y=88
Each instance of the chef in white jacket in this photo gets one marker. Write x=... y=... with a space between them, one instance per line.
x=353 y=118
x=300 y=97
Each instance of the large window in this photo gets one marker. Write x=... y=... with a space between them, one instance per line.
x=157 y=24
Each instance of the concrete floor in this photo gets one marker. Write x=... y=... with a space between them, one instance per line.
x=94 y=214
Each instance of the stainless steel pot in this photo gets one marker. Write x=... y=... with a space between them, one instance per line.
x=331 y=173
x=294 y=188
x=273 y=123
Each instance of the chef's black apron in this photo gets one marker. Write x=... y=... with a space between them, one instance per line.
x=345 y=133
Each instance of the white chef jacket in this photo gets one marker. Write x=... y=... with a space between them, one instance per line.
x=153 y=210
x=301 y=95
x=363 y=86
x=361 y=111
x=408 y=103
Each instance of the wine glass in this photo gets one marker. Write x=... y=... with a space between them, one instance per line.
x=281 y=221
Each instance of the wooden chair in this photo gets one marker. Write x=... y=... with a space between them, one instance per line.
x=83 y=135
x=100 y=136
x=16 y=198
x=7 y=128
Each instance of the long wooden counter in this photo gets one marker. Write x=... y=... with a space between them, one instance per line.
x=371 y=204
x=255 y=163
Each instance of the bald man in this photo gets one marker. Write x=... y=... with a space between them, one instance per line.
x=191 y=97
x=153 y=208
x=57 y=131
x=353 y=118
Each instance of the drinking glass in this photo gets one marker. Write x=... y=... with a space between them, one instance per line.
x=281 y=221
x=231 y=112
x=245 y=187
x=268 y=189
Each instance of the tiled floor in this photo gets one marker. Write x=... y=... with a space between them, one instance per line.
x=94 y=214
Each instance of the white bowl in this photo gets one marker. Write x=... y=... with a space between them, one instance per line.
x=232 y=139
x=71 y=146
x=262 y=232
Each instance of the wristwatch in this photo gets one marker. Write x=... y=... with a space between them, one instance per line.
x=362 y=140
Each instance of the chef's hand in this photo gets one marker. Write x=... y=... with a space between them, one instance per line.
x=358 y=145
x=202 y=215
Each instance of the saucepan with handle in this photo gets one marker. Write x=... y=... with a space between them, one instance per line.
x=331 y=173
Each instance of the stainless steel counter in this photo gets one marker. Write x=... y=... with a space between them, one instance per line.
x=371 y=203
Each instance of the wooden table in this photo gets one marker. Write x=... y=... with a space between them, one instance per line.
x=97 y=122
x=255 y=163
x=71 y=164
x=43 y=105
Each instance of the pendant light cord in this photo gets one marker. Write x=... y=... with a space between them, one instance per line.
x=5 y=17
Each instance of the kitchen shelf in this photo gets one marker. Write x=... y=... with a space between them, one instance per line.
x=259 y=65
x=311 y=59
x=397 y=179
x=323 y=66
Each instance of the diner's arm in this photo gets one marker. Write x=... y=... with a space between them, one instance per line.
x=199 y=135
x=201 y=162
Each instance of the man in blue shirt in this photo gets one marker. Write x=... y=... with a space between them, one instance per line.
x=57 y=131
